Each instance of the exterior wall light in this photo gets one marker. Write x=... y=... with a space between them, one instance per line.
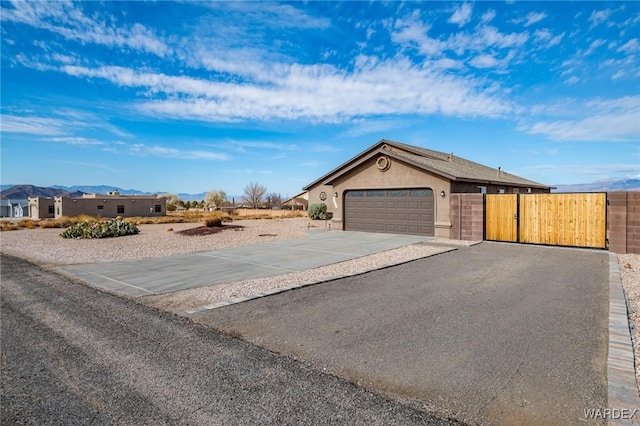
x=442 y=194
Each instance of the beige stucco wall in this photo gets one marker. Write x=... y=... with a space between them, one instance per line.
x=134 y=206
x=39 y=207
x=399 y=175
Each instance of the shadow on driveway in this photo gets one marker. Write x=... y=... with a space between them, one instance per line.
x=491 y=334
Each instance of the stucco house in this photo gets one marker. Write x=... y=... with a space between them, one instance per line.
x=99 y=205
x=13 y=208
x=398 y=188
x=297 y=202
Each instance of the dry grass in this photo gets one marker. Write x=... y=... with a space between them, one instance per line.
x=8 y=226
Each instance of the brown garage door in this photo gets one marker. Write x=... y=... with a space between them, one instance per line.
x=396 y=211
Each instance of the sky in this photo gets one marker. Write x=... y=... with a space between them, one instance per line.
x=193 y=96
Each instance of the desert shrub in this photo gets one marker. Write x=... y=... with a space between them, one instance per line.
x=27 y=223
x=50 y=223
x=317 y=211
x=293 y=214
x=103 y=229
x=8 y=226
x=211 y=222
x=169 y=219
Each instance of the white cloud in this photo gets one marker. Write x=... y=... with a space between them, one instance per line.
x=413 y=32
x=293 y=92
x=534 y=17
x=546 y=37
x=447 y=63
x=614 y=120
x=484 y=61
x=32 y=125
x=161 y=151
x=619 y=74
x=76 y=140
x=462 y=15
x=69 y=21
x=594 y=45
x=630 y=47
x=599 y=16
x=488 y=16
x=264 y=145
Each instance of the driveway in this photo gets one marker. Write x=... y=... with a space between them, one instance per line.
x=149 y=276
x=491 y=334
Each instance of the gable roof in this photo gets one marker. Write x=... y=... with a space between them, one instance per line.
x=447 y=165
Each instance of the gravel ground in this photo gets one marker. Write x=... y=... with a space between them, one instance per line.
x=45 y=246
x=630 y=271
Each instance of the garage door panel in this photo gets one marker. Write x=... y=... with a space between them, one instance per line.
x=399 y=211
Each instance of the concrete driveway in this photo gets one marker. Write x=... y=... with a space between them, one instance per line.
x=143 y=277
x=490 y=334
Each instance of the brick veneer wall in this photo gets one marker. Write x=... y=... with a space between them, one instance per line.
x=467 y=217
x=623 y=222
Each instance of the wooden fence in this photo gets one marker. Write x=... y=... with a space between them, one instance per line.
x=577 y=219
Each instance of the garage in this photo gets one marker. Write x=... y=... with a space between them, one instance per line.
x=395 y=211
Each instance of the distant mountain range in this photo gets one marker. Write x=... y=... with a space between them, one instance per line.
x=22 y=192
x=601 y=186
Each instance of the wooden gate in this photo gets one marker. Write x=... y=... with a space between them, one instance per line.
x=500 y=220
x=577 y=220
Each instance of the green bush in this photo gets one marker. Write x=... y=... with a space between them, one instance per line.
x=318 y=211
x=103 y=229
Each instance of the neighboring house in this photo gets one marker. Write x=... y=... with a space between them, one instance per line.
x=101 y=205
x=297 y=202
x=398 y=188
x=41 y=207
x=14 y=208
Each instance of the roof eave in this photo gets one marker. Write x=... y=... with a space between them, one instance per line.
x=331 y=179
x=345 y=164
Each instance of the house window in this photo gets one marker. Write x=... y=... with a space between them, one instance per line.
x=51 y=210
x=501 y=191
x=120 y=209
x=397 y=193
x=158 y=208
x=100 y=207
x=516 y=190
x=528 y=190
x=483 y=189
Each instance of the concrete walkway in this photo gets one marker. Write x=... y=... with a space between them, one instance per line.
x=624 y=400
x=143 y=277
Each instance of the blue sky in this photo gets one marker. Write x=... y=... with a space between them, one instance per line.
x=192 y=96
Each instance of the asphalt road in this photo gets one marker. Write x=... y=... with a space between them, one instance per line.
x=73 y=355
x=492 y=334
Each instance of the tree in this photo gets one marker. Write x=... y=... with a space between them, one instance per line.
x=173 y=201
x=215 y=199
x=272 y=200
x=253 y=194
